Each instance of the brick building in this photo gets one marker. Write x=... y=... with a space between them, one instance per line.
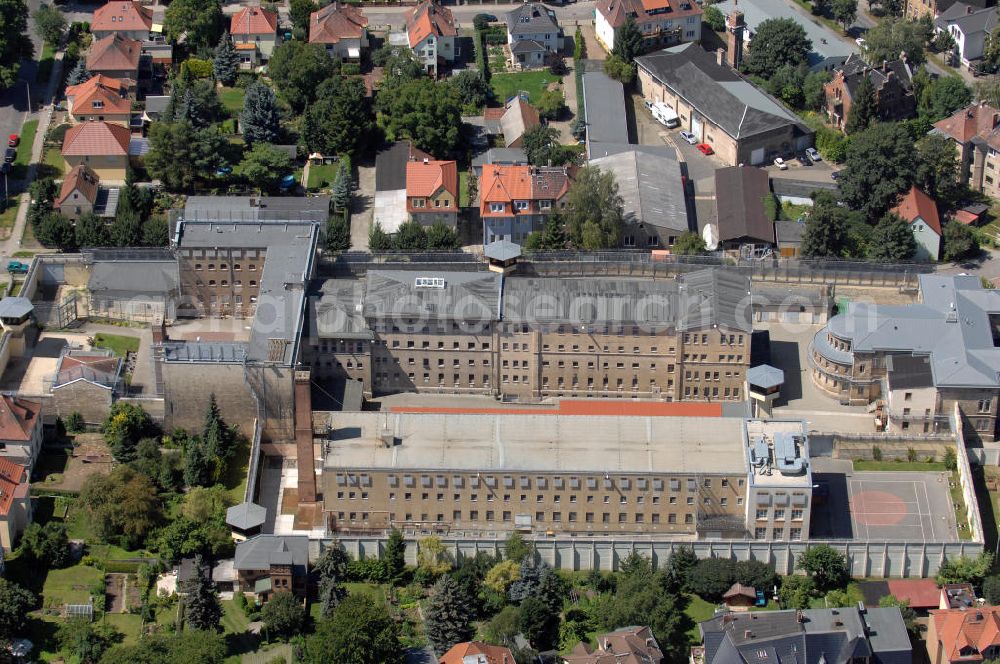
x=432 y=192
x=892 y=82
x=86 y=382
x=976 y=132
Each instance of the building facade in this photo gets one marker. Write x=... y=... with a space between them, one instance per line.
x=892 y=83
x=662 y=22
x=431 y=33
x=977 y=140
x=515 y=201
x=432 y=192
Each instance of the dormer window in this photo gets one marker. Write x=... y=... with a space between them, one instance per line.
x=520 y=205
x=97 y=104
x=545 y=205
x=418 y=202
x=496 y=207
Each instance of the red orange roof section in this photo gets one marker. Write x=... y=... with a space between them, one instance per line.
x=12 y=477
x=89 y=139
x=958 y=628
x=122 y=17
x=17 y=418
x=425 y=178
x=80 y=178
x=429 y=18
x=915 y=203
x=920 y=593
x=254 y=21
x=335 y=22
x=581 y=407
x=114 y=53
x=493 y=654
x=107 y=90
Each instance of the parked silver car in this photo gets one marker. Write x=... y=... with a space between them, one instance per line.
x=689 y=137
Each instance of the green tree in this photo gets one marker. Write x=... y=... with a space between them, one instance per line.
x=180 y=155
x=283 y=615
x=965 y=569
x=864 y=110
x=226 y=61
x=123 y=427
x=298 y=68
x=796 y=592
x=714 y=19
x=959 y=241
x=78 y=74
x=264 y=166
x=155 y=232
x=432 y=557
x=378 y=239
x=594 y=198
x=199 y=469
x=411 y=237
x=85 y=640
x=331 y=572
x=551 y=104
x=46 y=544
x=617 y=68
x=15 y=602
x=14 y=41
x=892 y=240
x=442 y=237
x=777 y=42
x=501 y=575
x=909 y=615
x=503 y=627
x=190 y=647
x=813 y=93
x=689 y=243
x=628 y=41
x=540 y=144
x=126 y=229
x=300 y=11
x=339 y=121
x=474 y=91
x=710 y=578
x=991 y=589
x=55 y=230
x=359 y=632
x=516 y=548
x=202 y=610
x=342 y=188
x=551 y=238
x=880 y=164
x=123 y=506
x=941 y=97
x=826 y=566
x=422 y=110
x=394 y=556
x=92 y=231
x=539 y=623
x=844 y=11
x=338 y=232
x=892 y=36
x=447 y=617
x=259 y=121
x=937 y=169
x=50 y=24
x=199 y=20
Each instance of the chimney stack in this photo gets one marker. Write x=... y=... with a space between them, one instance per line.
x=305 y=456
x=735 y=27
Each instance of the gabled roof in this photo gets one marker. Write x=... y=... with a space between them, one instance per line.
x=631 y=645
x=95 y=366
x=650 y=187
x=262 y=551
x=110 y=93
x=246 y=516
x=89 y=139
x=979 y=122
x=916 y=204
x=975 y=629
x=17 y=418
x=429 y=18
x=114 y=53
x=82 y=179
x=122 y=16
x=13 y=484
x=717 y=92
x=970 y=20
x=855 y=70
x=918 y=593
x=335 y=22
x=739 y=590
x=254 y=21
x=531 y=18
x=502 y=183
x=15 y=307
x=526 y=46
x=425 y=178
x=481 y=653
x=740 y=193
x=617 y=11
x=471 y=295
x=390 y=165
x=519 y=117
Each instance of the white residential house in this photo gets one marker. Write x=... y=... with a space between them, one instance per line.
x=431 y=32
x=920 y=211
x=533 y=33
x=970 y=27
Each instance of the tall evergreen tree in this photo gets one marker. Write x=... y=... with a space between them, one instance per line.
x=628 y=41
x=79 y=73
x=331 y=568
x=226 y=63
x=378 y=239
x=394 y=556
x=126 y=230
x=259 y=120
x=338 y=232
x=198 y=467
x=448 y=615
x=826 y=231
x=201 y=604
x=342 y=188
x=92 y=231
x=864 y=110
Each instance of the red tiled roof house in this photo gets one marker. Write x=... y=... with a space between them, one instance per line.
x=963 y=635
x=102 y=99
x=341 y=29
x=20 y=430
x=101 y=146
x=662 y=22
x=78 y=192
x=976 y=132
x=431 y=32
x=630 y=645
x=115 y=56
x=15 y=505
x=477 y=652
x=920 y=211
x=432 y=192
x=255 y=34
x=125 y=18
x=514 y=201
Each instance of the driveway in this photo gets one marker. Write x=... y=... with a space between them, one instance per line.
x=362 y=207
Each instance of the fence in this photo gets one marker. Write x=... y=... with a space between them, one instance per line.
x=864 y=559
x=253 y=469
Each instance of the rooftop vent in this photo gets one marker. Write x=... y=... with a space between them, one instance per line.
x=429 y=282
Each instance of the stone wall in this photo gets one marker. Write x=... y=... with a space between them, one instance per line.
x=90 y=400
x=188 y=387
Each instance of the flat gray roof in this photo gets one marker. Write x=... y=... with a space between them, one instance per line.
x=604 y=108
x=158 y=278
x=335 y=311
x=15 y=307
x=538 y=443
x=253 y=208
x=460 y=296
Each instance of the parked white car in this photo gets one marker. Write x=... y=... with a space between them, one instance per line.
x=814 y=154
x=689 y=137
x=781 y=164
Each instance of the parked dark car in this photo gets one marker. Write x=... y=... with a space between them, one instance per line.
x=10 y=155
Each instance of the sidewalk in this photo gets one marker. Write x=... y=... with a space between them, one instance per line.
x=14 y=243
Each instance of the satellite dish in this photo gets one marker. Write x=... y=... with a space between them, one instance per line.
x=711 y=236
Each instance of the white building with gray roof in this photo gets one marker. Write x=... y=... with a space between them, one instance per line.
x=533 y=32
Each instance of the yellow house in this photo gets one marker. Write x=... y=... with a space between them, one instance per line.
x=101 y=146
x=432 y=192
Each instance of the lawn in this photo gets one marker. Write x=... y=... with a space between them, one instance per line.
x=534 y=83
x=234 y=621
x=9 y=214
x=45 y=63
x=52 y=158
x=322 y=175
x=129 y=624
x=463 y=189
x=116 y=343
x=28 y=130
x=916 y=466
x=72 y=585
x=235 y=475
x=699 y=611
x=232 y=100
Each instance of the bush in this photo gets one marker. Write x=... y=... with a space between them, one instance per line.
x=831 y=144
x=482 y=62
x=198 y=68
x=74 y=422
x=350 y=69
x=367 y=570
x=579 y=45
x=991 y=589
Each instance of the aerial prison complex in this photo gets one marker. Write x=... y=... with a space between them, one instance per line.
x=622 y=405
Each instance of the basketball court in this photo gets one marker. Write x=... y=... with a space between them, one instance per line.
x=886 y=506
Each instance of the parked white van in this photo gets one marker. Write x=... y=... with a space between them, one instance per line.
x=665 y=115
